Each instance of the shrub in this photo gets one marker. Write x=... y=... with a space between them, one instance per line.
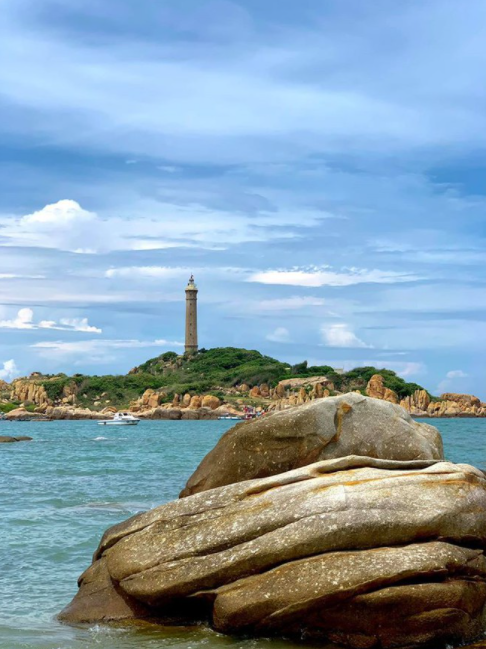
x=8 y=407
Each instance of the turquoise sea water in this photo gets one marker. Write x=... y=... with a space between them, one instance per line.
x=60 y=492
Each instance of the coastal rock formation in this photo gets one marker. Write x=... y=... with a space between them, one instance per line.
x=152 y=401
x=33 y=390
x=359 y=551
x=377 y=390
x=465 y=400
x=151 y=398
x=308 y=381
x=195 y=402
x=322 y=429
x=457 y=408
x=171 y=413
x=71 y=412
x=417 y=403
x=210 y=401
x=20 y=414
x=30 y=391
x=6 y=439
x=420 y=404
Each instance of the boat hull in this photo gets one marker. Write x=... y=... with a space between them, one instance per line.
x=117 y=423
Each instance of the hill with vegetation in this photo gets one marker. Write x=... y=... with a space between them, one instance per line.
x=213 y=371
x=231 y=366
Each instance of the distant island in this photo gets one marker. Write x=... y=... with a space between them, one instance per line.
x=210 y=383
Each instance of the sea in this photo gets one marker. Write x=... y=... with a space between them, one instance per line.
x=60 y=492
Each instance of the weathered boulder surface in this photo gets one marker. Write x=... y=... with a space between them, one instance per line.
x=31 y=391
x=350 y=424
x=210 y=401
x=21 y=414
x=7 y=439
x=70 y=412
x=466 y=400
x=169 y=412
x=361 y=551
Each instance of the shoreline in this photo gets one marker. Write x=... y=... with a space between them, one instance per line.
x=37 y=419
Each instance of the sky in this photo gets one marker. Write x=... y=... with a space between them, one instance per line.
x=319 y=166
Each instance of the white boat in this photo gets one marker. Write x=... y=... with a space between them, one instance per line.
x=229 y=417
x=120 y=419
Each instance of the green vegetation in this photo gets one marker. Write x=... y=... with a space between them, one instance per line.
x=8 y=407
x=212 y=371
x=215 y=368
x=225 y=367
x=358 y=378
x=390 y=380
x=55 y=387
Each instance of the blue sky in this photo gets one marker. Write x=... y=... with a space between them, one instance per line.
x=320 y=166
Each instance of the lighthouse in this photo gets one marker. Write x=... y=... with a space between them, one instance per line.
x=191 y=316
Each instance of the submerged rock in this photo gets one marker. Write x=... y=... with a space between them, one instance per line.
x=361 y=551
x=350 y=424
x=7 y=439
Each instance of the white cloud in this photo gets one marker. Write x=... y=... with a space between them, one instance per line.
x=148 y=225
x=419 y=250
x=9 y=371
x=76 y=324
x=450 y=380
x=147 y=272
x=13 y=276
x=95 y=350
x=456 y=374
x=409 y=369
x=340 y=335
x=280 y=335
x=294 y=303
x=403 y=369
x=25 y=320
x=59 y=215
x=168 y=169
x=321 y=276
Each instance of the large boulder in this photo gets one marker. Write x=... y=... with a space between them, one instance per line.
x=361 y=551
x=21 y=414
x=195 y=402
x=350 y=424
x=210 y=401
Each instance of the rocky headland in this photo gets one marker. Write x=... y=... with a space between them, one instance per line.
x=337 y=521
x=214 y=383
